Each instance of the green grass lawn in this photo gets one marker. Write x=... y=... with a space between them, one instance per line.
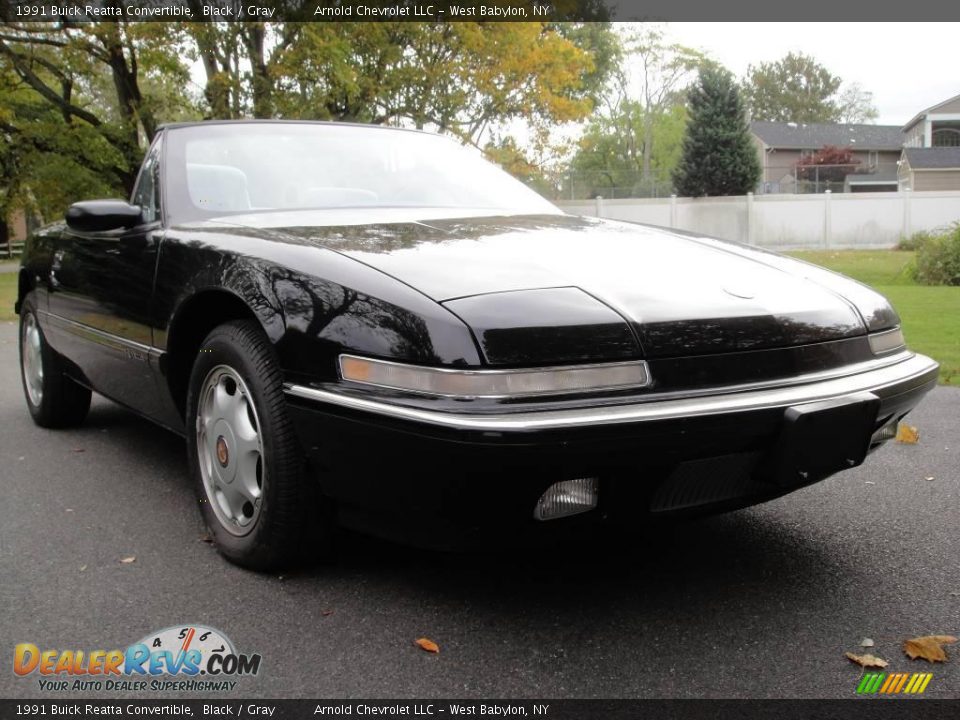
x=931 y=315
x=8 y=295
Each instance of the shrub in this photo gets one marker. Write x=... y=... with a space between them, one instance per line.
x=938 y=258
x=914 y=242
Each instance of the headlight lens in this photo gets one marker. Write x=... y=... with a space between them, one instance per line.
x=469 y=384
x=886 y=341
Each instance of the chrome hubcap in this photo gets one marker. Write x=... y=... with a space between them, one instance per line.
x=230 y=450
x=32 y=359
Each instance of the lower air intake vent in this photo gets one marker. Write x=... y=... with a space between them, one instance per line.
x=707 y=481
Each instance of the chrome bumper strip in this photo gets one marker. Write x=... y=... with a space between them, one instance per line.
x=913 y=372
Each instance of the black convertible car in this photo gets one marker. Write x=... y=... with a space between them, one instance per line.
x=375 y=327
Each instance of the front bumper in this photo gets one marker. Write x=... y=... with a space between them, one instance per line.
x=447 y=476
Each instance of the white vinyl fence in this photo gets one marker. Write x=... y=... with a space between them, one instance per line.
x=827 y=220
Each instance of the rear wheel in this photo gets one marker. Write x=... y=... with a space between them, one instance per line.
x=248 y=466
x=54 y=400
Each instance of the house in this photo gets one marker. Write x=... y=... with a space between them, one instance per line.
x=930 y=168
x=937 y=126
x=782 y=145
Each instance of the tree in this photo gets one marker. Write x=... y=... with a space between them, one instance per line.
x=662 y=73
x=93 y=93
x=463 y=78
x=718 y=155
x=610 y=153
x=829 y=165
x=798 y=89
x=504 y=151
x=45 y=161
x=633 y=141
x=91 y=75
x=855 y=105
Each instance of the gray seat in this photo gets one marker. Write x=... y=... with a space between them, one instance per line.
x=217 y=187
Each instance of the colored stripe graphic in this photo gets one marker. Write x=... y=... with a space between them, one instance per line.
x=894 y=683
x=903 y=680
x=870 y=683
x=890 y=682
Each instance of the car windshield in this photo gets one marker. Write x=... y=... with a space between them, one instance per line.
x=260 y=167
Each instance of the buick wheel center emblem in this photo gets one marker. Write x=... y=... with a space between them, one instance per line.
x=223 y=455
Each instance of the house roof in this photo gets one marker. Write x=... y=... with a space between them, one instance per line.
x=920 y=114
x=813 y=136
x=935 y=158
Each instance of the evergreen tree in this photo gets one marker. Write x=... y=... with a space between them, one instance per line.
x=718 y=155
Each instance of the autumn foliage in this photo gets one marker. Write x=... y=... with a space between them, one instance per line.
x=829 y=164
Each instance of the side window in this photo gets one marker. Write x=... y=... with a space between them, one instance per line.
x=147 y=192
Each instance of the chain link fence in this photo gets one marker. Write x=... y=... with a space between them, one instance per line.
x=612 y=185
x=812 y=179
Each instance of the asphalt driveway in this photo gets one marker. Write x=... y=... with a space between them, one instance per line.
x=758 y=603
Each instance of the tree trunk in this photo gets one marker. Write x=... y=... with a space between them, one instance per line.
x=647 y=144
x=130 y=103
x=253 y=37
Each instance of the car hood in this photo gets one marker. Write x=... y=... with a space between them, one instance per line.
x=679 y=293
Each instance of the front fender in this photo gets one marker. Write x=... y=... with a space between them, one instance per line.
x=312 y=302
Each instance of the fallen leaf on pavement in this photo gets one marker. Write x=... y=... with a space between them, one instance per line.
x=867 y=661
x=79 y=449
x=928 y=647
x=128 y=560
x=907 y=434
x=327 y=613
x=427 y=645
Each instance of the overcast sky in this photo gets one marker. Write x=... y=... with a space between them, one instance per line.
x=907 y=66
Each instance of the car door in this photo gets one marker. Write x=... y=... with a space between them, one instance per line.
x=100 y=293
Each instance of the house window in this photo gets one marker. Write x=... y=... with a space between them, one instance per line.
x=946 y=137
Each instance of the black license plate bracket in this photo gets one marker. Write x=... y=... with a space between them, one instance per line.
x=821 y=438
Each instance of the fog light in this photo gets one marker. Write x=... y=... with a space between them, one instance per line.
x=565 y=498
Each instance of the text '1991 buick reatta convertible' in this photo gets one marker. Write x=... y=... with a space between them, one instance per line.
x=372 y=327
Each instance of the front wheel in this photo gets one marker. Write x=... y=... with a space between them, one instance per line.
x=54 y=400
x=248 y=466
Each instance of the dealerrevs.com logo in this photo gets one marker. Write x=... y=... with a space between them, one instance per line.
x=180 y=658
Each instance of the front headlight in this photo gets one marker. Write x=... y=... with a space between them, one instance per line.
x=470 y=384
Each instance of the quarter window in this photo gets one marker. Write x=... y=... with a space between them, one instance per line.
x=147 y=192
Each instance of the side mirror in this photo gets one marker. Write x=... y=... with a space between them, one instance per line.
x=101 y=215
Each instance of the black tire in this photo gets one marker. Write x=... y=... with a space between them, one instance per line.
x=61 y=402
x=291 y=523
